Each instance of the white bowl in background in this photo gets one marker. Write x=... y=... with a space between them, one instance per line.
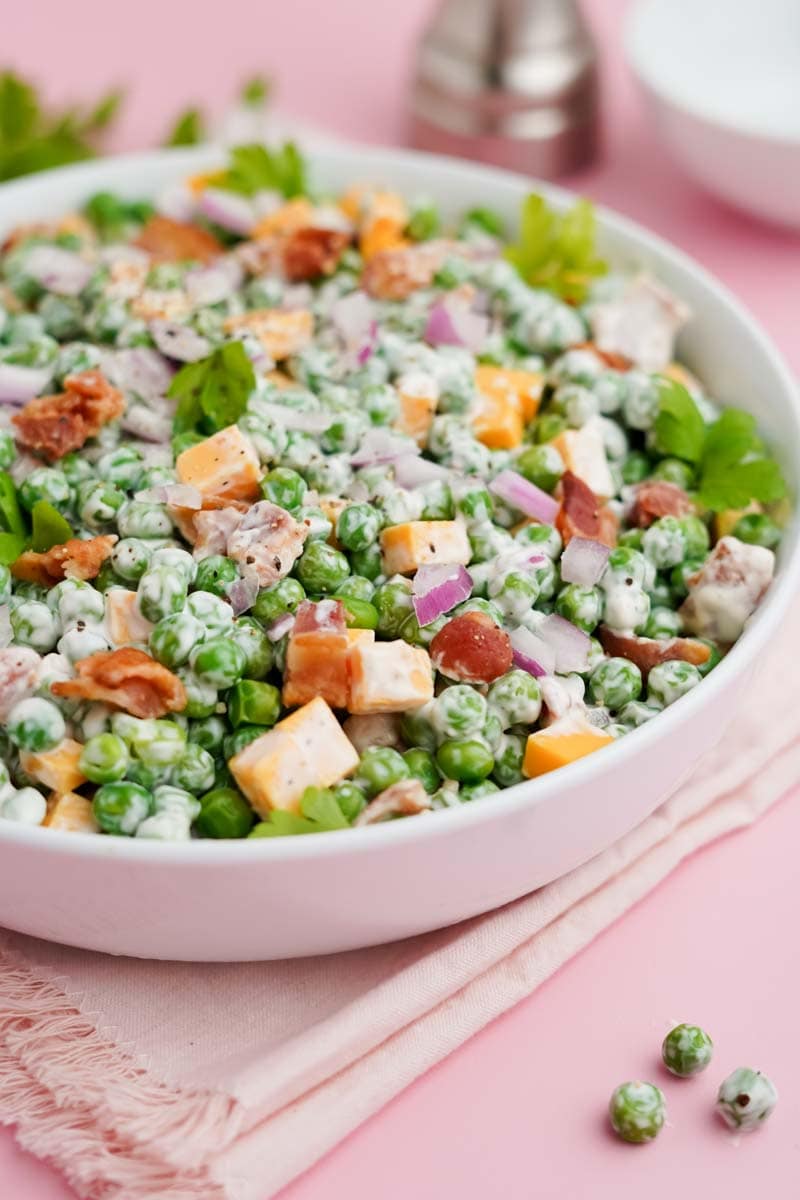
x=722 y=82
x=284 y=897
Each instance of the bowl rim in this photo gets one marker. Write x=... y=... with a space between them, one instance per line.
x=636 y=46
x=588 y=771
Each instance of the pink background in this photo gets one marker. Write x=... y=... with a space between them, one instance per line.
x=518 y=1112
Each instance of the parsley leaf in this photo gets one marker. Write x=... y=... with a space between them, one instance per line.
x=680 y=430
x=254 y=168
x=256 y=91
x=11 y=518
x=49 y=527
x=213 y=392
x=11 y=546
x=556 y=251
x=319 y=813
x=188 y=130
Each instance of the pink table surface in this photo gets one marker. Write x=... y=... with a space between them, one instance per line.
x=519 y=1111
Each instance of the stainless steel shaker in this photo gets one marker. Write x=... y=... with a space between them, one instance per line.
x=512 y=82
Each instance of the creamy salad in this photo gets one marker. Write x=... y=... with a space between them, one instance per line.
x=318 y=511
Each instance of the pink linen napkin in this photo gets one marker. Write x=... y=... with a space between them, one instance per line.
x=148 y=1081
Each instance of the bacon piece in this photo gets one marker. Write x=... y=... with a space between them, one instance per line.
x=73 y=559
x=582 y=515
x=472 y=649
x=658 y=498
x=647 y=653
x=128 y=679
x=324 y=616
x=405 y=798
x=19 y=667
x=309 y=253
x=727 y=589
x=166 y=240
x=394 y=274
x=317 y=655
x=54 y=425
x=268 y=540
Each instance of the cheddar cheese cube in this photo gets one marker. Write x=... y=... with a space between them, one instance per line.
x=389 y=677
x=316 y=665
x=70 y=812
x=57 y=768
x=306 y=749
x=381 y=234
x=416 y=414
x=333 y=507
x=406 y=547
x=497 y=421
x=288 y=218
x=223 y=465
x=126 y=625
x=281 y=333
x=569 y=738
x=362 y=203
x=499 y=382
x=583 y=451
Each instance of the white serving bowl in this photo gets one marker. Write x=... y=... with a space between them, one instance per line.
x=209 y=900
x=722 y=82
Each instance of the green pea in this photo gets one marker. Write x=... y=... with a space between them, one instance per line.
x=668 y=681
x=583 y=606
x=321 y=568
x=158 y=743
x=680 y=574
x=459 y=711
x=208 y=733
x=235 y=742
x=98 y=502
x=545 y=537
x=422 y=765
x=219 y=661
x=224 y=813
x=660 y=594
x=486 y=220
x=714 y=658
x=120 y=807
x=131 y=558
x=33 y=624
x=631 y=539
x=662 y=623
x=358 y=526
x=104 y=758
x=5 y=582
x=161 y=593
x=758 y=529
x=194 y=771
x=253 y=703
x=35 y=725
x=477 y=791
x=356 y=586
x=249 y=636
x=636 y=467
x=696 y=534
x=379 y=768
x=665 y=543
x=8 y=450
x=508 y=759
x=278 y=599
x=284 y=487
x=424 y=223
x=516 y=697
x=687 y=1050
x=672 y=470
x=45 y=483
x=350 y=799
x=615 y=682
x=637 y=1111
x=359 y=614
x=542 y=465
x=548 y=426
x=367 y=562
x=467 y=761
x=474 y=502
x=173 y=638
x=215 y=574
x=393 y=603
x=137 y=518
x=417 y=729
x=143 y=774
x=122 y=466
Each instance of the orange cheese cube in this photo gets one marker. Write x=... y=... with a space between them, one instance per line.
x=406 y=547
x=288 y=218
x=206 y=179
x=126 y=625
x=380 y=234
x=498 y=382
x=306 y=749
x=223 y=465
x=583 y=452
x=389 y=677
x=57 y=768
x=280 y=333
x=333 y=506
x=497 y=421
x=416 y=415
x=363 y=203
x=567 y=739
x=316 y=665
x=70 y=812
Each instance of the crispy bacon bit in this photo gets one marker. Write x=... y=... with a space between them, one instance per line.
x=74 y=559
x=166 y=240
x=210 y=528
x=54 y=425
x=309 y=253
x=395 y=274
x=582 y=515
x=659 y=499
x=128 y=679
x=403 y=799
x=609 y=358
x=268 y=541
x=647 y=653
x=19 y=667
x=324 y=616
x=727 y=589
x=472 y=649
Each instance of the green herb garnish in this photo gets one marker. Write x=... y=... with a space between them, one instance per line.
x=11 y=546
x=729 y=456
x=113 y=217
x=256 y=91
x=213 y=392
x=49 y=527
x=254 y=168
x=188 y=130
x=319 y=813
x=557 y=251
x=11 y=518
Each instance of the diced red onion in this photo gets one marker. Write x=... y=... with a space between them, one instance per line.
x=584 y=561
x=242 y=594
x=532 y=653
x=570 y=644
x=179 y=495
x=411 y=471
x=212 y=285
x=368 y=347
x=437 y=588
x=380 y=446
x=520 y=493
x=229 y=210
x=179 y=341
x=60 y=271
x=280 y=627
x=453 y=323
x=138 y=370
x=296 y=418
x=18 y=385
